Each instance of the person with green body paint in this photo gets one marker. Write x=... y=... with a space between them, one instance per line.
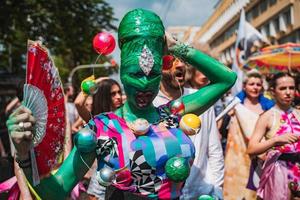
x=143 y=42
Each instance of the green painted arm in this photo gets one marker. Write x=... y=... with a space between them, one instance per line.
x=59 y=185
x=221 y=78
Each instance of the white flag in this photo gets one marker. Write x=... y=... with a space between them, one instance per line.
x=247 y=38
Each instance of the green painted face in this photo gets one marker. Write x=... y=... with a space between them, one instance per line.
x=141 y=39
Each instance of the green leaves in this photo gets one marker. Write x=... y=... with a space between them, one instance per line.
x=66 y=28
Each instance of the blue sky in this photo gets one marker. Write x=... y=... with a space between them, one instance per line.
x=172 y=12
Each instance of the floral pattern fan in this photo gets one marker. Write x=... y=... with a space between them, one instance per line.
x=43 y=95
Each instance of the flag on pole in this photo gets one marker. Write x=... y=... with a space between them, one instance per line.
x=247 y=38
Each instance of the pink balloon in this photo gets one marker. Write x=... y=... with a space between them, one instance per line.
x=104 y=43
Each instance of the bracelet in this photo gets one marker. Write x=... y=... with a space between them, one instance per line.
x=24 y=163
x=180 y=50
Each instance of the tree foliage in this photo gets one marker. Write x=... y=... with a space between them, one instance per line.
x=65 y=27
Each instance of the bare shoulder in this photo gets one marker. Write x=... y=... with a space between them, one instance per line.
x=266 y=118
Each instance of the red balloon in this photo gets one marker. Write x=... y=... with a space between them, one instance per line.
x=104 y=43
x=168 y=62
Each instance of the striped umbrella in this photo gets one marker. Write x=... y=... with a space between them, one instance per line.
x=276 y=58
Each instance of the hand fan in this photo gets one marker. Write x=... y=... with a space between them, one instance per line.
x=43 y=95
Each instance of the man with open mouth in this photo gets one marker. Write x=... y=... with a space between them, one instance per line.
x=207 y=174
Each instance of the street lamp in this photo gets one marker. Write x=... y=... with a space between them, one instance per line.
x=106 y=65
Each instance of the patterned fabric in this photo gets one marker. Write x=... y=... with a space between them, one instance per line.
x=285 y=175
x=49 y=137
x=169 y=120
x=139 y=161
x=143 y=174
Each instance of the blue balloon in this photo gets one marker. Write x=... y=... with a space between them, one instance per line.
x=85 y=140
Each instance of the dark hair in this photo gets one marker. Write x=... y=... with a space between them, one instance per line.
x=102 y=99
x=273 y=82
x=67 y=87
x=19 y=90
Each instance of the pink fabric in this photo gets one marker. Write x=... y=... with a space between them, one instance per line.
x=8 y=184
x=124 y=181
x=277 y=174
x=76 y=191
x=14 y=193
x=274 y=179
x=110 y=131
x=11 y=186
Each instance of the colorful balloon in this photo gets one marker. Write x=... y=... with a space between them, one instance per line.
x=190 y=123
x=177 y=107
x=167 y=62
x=104 y=43
x=177 y=169
x=85 y=140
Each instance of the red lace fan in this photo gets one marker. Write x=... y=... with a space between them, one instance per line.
x=43 y=95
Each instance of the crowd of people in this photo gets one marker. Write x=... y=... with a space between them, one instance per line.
x=260 y=158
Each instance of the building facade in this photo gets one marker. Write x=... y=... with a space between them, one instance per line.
x=278 y=20
x=184 y=33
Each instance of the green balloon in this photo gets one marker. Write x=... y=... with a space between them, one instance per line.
x=89 y=87
x=206 y=197
x=177 y=169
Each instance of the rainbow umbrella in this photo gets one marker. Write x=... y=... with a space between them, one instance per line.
x=276 y=58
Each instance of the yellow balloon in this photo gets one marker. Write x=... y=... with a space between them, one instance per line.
x=190 y=123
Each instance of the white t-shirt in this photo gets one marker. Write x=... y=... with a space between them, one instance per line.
x=72 y=112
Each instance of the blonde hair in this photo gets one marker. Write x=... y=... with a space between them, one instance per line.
x=252 y=73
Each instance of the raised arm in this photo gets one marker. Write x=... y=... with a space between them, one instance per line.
x=81 y=109
x=221 y=78
x=80 y=102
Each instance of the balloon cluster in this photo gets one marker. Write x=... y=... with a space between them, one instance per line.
x=104 y=44
x=189 y=123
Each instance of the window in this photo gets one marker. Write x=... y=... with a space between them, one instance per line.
x=287 y=17
x=276 y=24
x=293 y=37
x=272 y=2
x=267 y=29
x=249 y=16
x=263 y=6
x=255 y=11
